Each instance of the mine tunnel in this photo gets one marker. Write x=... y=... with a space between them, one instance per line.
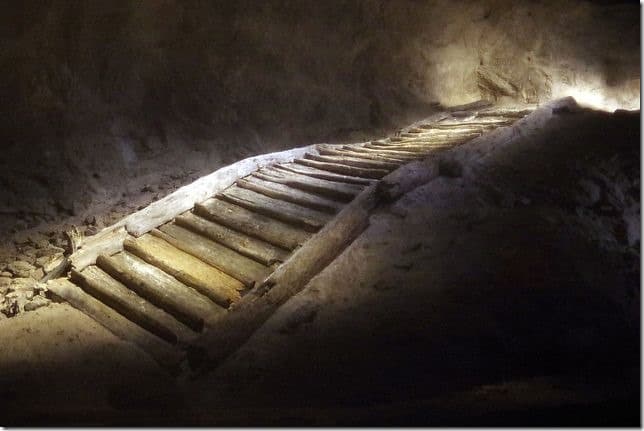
x=320 y=213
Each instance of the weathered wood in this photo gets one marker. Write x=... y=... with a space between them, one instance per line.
x=184 y=198
x=261 y=251
x=347 y=151
x=159 y=288
x=244 y=269
x=406 y=178
x=324 y=175
x=494 y=83
x=99 y=284
x=354 y=162
x=285 y=211
x=343 y=169
x=389 y=147
x=209 y=281
x=289 y=194
x=253 y=224
x=401 y=155
x=116 y=323
x=506 y=112
x=232 y=330
x=108 y=241
x=335 y=190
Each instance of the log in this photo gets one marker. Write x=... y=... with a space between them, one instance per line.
x=253 y=224
x=343 y=169
x=349 y=152
x=108 y=241
x=160 y=350
x=261 y=251
x=335 y=190
x=242 y=268
x=390 y=147
x=506 y=112
x=289 y=194
x=406 y=178
x=159 y=288
x=100 y=285
x=323 y=175
x=211 y=282
x=354 y=162
x=229 y=332
x=185 y=198
x=287 y=212
x=402 y=155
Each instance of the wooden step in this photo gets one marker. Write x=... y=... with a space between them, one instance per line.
x=159 y=288
x=100 y=285
x=289 y=194
x=209 y=281
x=244 y=269
x=253 y=224
x=287 y=212
x=334 y=190
x=324 y=175
x=253 y=248
x=402 y=155
x=354 y=162
x=389 y=147
x=163 y=352
x=349 y=152
x=343 y=169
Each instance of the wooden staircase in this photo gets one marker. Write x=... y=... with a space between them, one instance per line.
x=164 y=288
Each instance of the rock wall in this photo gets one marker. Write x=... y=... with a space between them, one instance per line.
x=104 y=100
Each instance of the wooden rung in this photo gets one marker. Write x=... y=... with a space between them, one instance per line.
x=347 y=151
x=355 y=162
x=401 y=155
x=285 y=211
x=332 y=189
x=253 y=224
x=161 y=289
x=389 y=147
x=244 y=269
x=289 y=194
x=343 y=169
x=261 y=251
x=323 y=175
x=163 y=352
x=100 y=285
x=209 y=281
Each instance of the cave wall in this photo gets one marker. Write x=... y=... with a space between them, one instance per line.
x=101 y=97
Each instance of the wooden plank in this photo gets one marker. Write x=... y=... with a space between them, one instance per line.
x=401 y=155
x=343 y=169
x=160 y=350
x=389 y=147
x=323 y=175
x=161 y=289
x=285 y=211
x=347 y=151
x=289 y=194
x=209 y=281
x=332 y=189
x=108 y=241
x=354 y=162
x=253 y=224
x=100 y=285
x=221 y=257
x=261 y=251
x=184 y=198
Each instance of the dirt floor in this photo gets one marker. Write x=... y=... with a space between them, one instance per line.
x=504 y=292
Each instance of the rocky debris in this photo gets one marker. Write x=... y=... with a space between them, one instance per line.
x=22 y=294
x=20 y=268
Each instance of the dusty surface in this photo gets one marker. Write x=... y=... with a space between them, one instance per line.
x=504 y=292
x=108 y=105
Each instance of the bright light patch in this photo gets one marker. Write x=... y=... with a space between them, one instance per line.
x=597 y=96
